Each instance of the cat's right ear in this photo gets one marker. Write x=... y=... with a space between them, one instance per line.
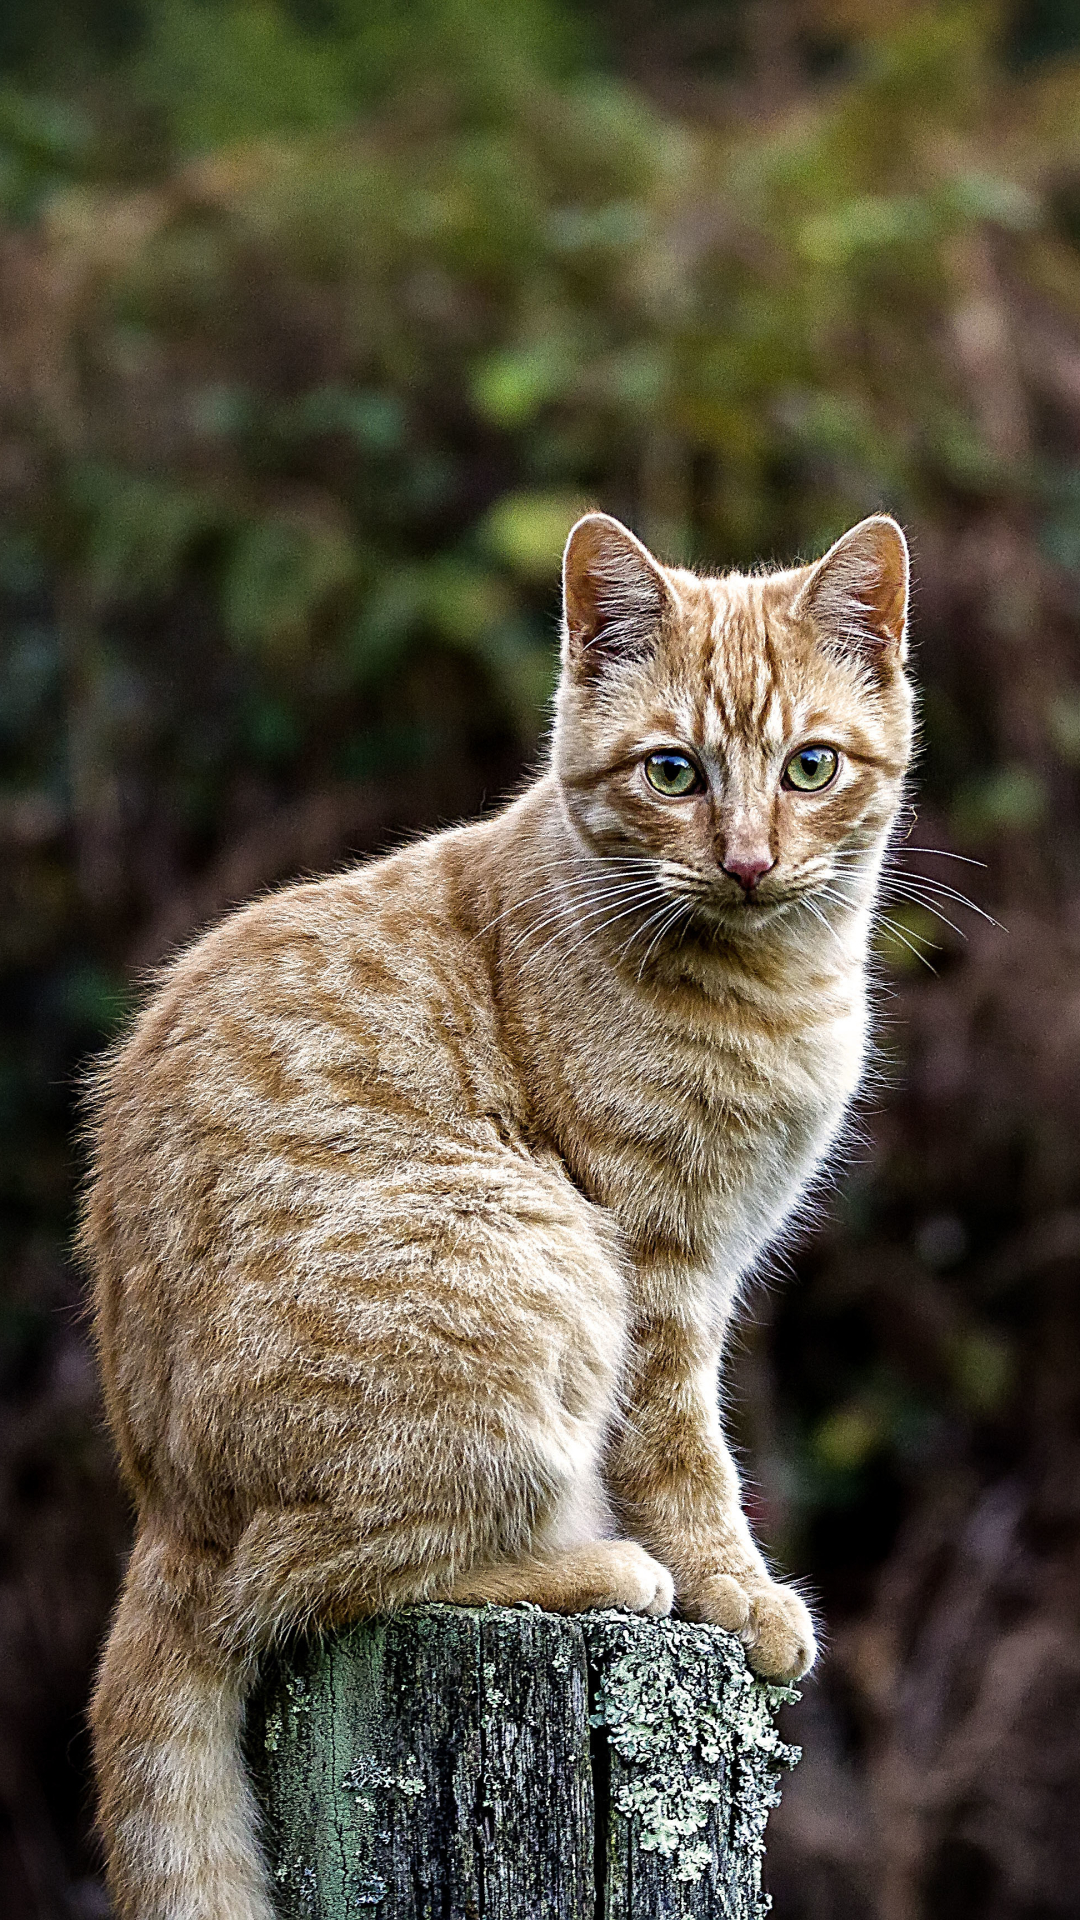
x=857 y=596
x=615 y=597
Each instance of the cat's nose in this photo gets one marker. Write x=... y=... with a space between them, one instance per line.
x=748 y=869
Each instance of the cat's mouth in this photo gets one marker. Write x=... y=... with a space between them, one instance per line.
x=713 y=902
x=733 y=912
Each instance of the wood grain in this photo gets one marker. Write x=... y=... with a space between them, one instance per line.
x=456 y=1763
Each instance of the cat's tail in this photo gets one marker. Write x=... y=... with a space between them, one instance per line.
x=176 y=1809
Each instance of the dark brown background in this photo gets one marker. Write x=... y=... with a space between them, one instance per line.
x=318 y=323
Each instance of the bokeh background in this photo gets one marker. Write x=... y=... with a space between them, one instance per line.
x=319 y=321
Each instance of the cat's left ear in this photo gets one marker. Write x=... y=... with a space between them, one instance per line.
x=615 y=596
x=857 y=596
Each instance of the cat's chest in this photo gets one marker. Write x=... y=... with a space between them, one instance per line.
x=701 y=1135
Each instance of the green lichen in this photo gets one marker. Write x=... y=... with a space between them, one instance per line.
x=296 y=1687
x=493 y=1697
x=368 y=1775
x=367 y=1889
x=374 y=1753
x=691 y=1726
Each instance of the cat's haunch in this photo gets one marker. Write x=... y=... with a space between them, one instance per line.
x=422 y=1194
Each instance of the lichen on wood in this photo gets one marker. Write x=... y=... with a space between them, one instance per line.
x=693 y=1767
x=454 y=1763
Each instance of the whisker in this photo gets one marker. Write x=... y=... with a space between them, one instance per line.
x=924 y=889
x=620 y=867
x=642 y=893
x=833 y=893
x=638 y=931
x=571 y=890
x=584 y=883
x=823 y=918
x=570 y=909
x=916 y=881
x=681 y=906
x=590 y=932
x=897 y=926
x=903 y=851
x=938 y=853
x=898 y=893
x=894 y=926
x=898 y=933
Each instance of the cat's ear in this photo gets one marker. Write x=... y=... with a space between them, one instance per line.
x=857 y=596
x=614 y=596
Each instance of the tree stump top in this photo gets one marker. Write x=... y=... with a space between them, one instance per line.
x=459 y=1763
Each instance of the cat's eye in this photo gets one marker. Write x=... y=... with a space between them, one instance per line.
x=673 y=775
x=811 y=769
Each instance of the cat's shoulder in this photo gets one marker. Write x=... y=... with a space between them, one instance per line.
x=376 y=927
x=365 y=901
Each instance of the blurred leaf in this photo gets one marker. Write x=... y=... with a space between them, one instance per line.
x=1063 y=718
x=461 y=602
x=982 y=1370
x=44 y=144
x=273 y=732
x=30 y=667
x=450 y=597
x=141 y=529
x=619 y=225
x=871 y=224
x=375 y=421
x=525 y=669
x=278 y=575
x=942 y=1241
x=986 y=196
x=527 y=531
x=97 y=1000
x=230 y=72
x=387 y=750
x=511 y=386
x=847 y=1437
x=1009 y=799
x=51 y=133
x=1060 y=531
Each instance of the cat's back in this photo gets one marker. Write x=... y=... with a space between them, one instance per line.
x=309 y=1000
x=323 y=1036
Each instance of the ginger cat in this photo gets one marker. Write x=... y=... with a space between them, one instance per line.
x=422 y=1194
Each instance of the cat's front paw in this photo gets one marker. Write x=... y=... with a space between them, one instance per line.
x=639 y=1582
x=772 y=1621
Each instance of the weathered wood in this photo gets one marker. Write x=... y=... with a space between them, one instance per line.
x=458 y=1763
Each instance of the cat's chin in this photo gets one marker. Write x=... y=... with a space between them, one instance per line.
x=744 y=919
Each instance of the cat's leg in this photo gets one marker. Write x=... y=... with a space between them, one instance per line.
x=427 y=1417
x=675 y=1487
x=602 y=1573
x=319 y=1567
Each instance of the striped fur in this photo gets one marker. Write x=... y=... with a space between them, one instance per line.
x=422 y=1194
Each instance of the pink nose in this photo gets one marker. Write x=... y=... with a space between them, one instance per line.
x=748 y=871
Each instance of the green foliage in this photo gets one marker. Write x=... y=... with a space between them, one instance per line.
x=391 y=360
x=43 y=144
x=219 y=71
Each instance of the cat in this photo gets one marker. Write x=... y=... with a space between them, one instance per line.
x=421 y=1195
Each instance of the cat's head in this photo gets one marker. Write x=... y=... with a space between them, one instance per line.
x=748 y=733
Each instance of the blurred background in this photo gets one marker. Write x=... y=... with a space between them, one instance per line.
x=319 y=322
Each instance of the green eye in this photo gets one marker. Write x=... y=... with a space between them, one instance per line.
x=811 y=769
x=672 y=774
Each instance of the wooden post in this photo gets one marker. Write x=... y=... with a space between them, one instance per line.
x=494 y=1763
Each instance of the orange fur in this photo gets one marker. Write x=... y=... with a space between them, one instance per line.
x=422 y=1194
